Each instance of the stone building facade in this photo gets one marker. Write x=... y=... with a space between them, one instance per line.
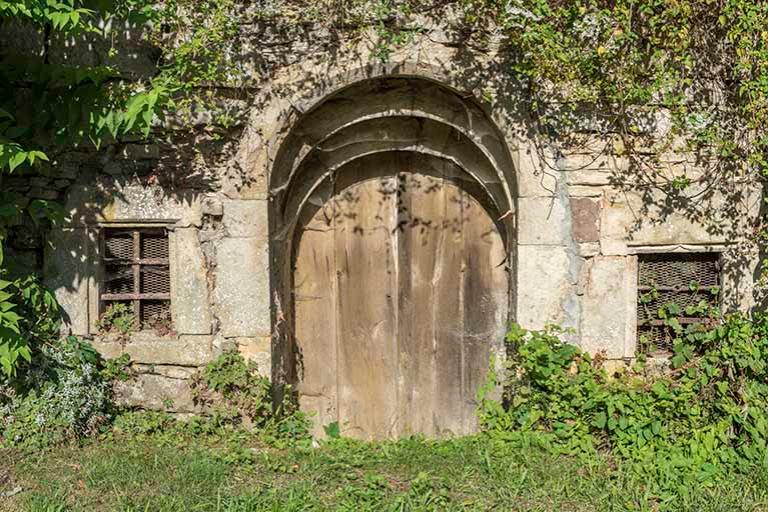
x=569 y=227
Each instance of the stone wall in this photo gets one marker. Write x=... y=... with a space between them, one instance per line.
x=578 y=215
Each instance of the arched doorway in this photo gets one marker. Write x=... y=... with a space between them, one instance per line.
x=390 y=234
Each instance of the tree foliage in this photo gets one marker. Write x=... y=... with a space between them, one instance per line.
x=42 y=105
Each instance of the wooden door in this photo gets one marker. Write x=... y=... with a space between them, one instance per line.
x=400 y=296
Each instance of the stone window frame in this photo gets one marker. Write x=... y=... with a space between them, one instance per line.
x=634 y=252
x=95 y=289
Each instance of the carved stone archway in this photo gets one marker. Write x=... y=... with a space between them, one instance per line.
x=391 y=222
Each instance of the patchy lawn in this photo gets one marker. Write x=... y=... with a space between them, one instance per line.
x=211 y=474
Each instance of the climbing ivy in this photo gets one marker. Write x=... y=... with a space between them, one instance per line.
x=702 y=64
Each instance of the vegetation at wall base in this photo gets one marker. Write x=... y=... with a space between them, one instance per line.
x=702 y=418
x=67 y=397
x=567 y=436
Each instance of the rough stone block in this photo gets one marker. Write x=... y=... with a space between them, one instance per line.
x=585 y=219
x=190 y=301
x=592 y=177
x=172 y=372
x=258 y=350
x=246 y=218
x=135 y=56
x=70 y=271
x=43 y=193
x=542 y=221
x=585 y=191
x=242 y=287
x=133 y=201
x=596 y=161
x=610 y=247
x=16 y=183
x=22 y=38
x=107 y=199
x=147 y=348
x=39 y=181
x=591 y=144
x=213 y=206
x=588 y=249
x=141 y=152
x=632 y=220
x=109 y=349
x=740 y=290
x=114 y=168
x=184 y=351
x=67 y=169
x=608 y=314
x=222 y=344
x=156 y=392
x=546 y=286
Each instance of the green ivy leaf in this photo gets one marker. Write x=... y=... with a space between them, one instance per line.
x=17 y=159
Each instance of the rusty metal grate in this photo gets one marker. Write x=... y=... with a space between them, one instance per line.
x=155 y=312
x=691 y=282
x=119 y=245
x=118 y=279
x=155 y=279
x=154 y=245
x=137 y=272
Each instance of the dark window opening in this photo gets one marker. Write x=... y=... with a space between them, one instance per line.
x=677 y=293
x=137 y=273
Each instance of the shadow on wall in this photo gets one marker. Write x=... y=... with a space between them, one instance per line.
x=72 y=254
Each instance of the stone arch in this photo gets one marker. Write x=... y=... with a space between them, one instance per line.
x=393 y=99
x=300 y=88
x=371 y=122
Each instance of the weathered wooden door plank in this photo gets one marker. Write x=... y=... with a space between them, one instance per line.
x=314 y=302
x=485 y=298
x=367 y=303
x=449 y=314
x=420 y=211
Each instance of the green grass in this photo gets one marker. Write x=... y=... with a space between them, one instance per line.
x=211 y=474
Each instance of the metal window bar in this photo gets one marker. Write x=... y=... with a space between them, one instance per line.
x=136 y=266
x=671 y=276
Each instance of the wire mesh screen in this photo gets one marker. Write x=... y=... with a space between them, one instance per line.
x=118 y=279
x=681 y=286
x=118 y=245
x=155 y=279
x=154 y=312
x=154 y=245
x=679 y=271
x=137 y=272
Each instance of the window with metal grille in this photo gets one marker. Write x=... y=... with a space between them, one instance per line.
x=137 y=273
x=675 y=291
